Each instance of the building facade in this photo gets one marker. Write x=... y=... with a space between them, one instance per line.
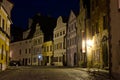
x=21 y=51
x=37 y=41
x=81 y=35
x=47 y=53
x=5 y=22
x=114 y=16
x=72 y=40
x=97 y=35
x=28 y=51
x=59 y=43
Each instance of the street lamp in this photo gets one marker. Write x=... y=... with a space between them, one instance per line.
x=89 y=43
x=39 y=59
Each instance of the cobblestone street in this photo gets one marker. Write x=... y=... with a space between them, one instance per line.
x=47 y=73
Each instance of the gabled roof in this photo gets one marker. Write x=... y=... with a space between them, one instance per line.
x=71 y=16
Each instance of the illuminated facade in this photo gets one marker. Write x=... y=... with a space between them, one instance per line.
x=47 y=53
x=27 y=51
x=72 y=40
x=5 y=22
x=59 y=43
x=97 y=35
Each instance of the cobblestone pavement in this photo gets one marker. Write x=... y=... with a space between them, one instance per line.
x=47 y=73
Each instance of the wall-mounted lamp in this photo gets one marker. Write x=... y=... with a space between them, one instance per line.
x=89 y=43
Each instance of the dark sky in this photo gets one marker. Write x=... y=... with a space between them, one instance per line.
x=24 y=9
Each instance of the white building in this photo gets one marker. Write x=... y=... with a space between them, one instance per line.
x=59 y=43
x=72 y=40
x=27 y=51
x=37 y=41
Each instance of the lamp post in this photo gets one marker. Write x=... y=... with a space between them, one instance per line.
x=39 y=58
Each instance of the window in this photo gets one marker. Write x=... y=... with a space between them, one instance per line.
x=60 y=33
x=104 y=22
x=63 y=32
x=60 y=59
x=35 y=42
x=55 y=59
x=44 y=49
x=29 y=50
x=26 y=51
x=6 y=56
x=97 y=28
x=57 y=34
x=50 y=47
x=34 y=60
x=39 y=41
x=20 y=51
x=3 y=23
x=47 y=48
x=0 y=20
x=47 y=59
x=2 y=52
x=29 y=60
x=6 y=27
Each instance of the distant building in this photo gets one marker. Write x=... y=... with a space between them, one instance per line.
x=21 y=51
x=59 y=43
x=5 y=22
x=47 y=53
x=28 y=50
x=72 y=40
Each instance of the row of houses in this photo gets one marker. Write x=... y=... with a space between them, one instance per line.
x=90 y=39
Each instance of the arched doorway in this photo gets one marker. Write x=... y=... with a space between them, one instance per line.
x=75 y=59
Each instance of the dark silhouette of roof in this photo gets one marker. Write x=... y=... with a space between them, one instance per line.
x=47 y=25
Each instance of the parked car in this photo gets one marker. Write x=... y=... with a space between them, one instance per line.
x=14 y=63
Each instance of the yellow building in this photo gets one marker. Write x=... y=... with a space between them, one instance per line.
x=47 y=53
x=5 y=22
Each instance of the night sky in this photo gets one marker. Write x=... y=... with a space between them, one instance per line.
x=25 y=9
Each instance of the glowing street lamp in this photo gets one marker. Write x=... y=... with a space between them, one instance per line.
x=39 y=58
x=89 y=43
